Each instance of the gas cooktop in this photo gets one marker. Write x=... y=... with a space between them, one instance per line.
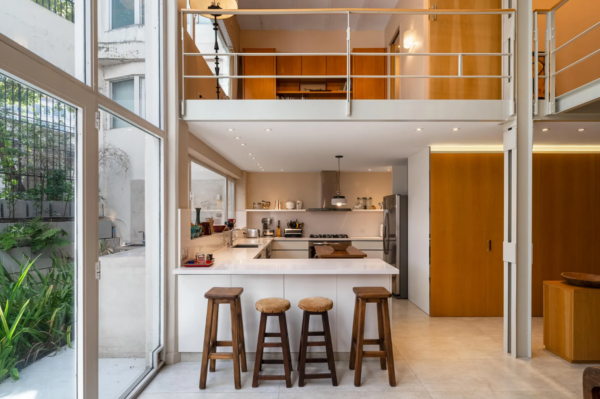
x=329 y=236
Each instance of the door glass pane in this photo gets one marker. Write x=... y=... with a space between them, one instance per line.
x=47 y=28
x=130 y=253
x=37 y=234
x=123 y=94
x=231 y=199
x=122 y=13
x=208 y=193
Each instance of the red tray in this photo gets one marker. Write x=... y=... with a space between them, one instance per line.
x=199 y=264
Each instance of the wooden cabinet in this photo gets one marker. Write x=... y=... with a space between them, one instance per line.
x=314 y=65
x=259 y=89
x=289 y=66
x=467 y=235
x=369 y=88
x=336 y=65
x=565 y=218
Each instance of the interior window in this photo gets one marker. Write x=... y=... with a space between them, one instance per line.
x=208 y=194
x=122 y=13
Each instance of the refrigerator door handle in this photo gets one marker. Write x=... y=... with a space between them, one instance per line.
x=386 y=218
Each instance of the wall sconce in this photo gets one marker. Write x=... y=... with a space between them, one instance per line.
x=409 y=39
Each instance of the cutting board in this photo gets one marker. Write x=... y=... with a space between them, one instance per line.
x=326 y=252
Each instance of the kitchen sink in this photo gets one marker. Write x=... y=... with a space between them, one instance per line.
x=247 y=246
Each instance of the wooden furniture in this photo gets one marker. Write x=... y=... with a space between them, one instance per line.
x=591 y=383
x=379 y=296
x=326 y=252
x=369 y=88
x=571 y=322
x=316 y=306
x=566 y=220
x=269 y=307
x=466 y=34
x=467 y=234
x=217 y=296
x=259 y=89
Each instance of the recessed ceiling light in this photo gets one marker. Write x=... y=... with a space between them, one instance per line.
x=242 y=144
x=231 y=130
x=545 y=129
x=253 y=157
x=282 y=170
x=258 y=164
x=268 y=130
x=250 y=153
x=369 y=170
x=237 y=137
x=455 y=129
x=389 y=170
x=419 y=129
x=580 y=130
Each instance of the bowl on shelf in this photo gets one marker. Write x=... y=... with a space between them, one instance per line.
x=582 y=279
x=340 y=246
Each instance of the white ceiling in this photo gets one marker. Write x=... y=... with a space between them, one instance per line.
x=313 y=22
x=312 y=146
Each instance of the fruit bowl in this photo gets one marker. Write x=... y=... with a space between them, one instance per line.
x=582 y=279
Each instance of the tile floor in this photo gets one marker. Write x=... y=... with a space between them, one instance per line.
x=445 y=358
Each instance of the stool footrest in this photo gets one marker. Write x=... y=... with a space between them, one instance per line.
x=220 y=355
x=372 y=342
x=224 y=343
x=316 y=343
x=272 y=335
x=374 y=354
x=272 y=344
x=324 y=360
x=272 y=361
x=315 y=376
x=316 y=333
x=271 y=377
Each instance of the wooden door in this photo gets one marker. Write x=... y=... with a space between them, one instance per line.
x=369 y=88
x=259 y=89
x=494 y=266
x=537 y=288
x=597 y=269
x=458 y=235
x=567 y=230
x=289 y=66
x=466 y=34
x=314 y=65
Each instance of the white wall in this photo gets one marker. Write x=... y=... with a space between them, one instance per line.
x=418 y=229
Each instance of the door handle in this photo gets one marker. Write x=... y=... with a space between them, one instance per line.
x=489 y=245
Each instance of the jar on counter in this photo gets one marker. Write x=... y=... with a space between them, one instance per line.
x=257 y=205
x=369 y=202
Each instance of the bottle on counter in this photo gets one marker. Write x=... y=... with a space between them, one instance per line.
x=279 y=228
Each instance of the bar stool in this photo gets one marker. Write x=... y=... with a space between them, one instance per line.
x=380 y=296
x=316 y=306
x=269 y=307
x=217 y=296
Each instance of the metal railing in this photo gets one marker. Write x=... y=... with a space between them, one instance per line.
x=550 y=72
x=64 y=8
x=348 y=54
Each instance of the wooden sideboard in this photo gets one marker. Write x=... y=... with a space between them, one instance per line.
x=571 y=322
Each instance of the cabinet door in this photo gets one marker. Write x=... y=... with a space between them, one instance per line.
x=336 y=65
x=597 y=269
x=369 y=88
x=458 y=235
x=494 y=266
x=537 y=286
x=314 y=65
x=259 y=89
x=293 y=254
x=289 y=66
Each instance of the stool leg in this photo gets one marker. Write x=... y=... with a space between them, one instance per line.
x=388 y=343
x=241 y=336
x=304 y=315
x=285 y=349
x=259 y=349
x=329 y=348
x=359 y=342
x=381 y=333
x=354 y=333
x=303 y=349
x=214 y=336
x=206 y=347
x=287 y=343
x=235 y=344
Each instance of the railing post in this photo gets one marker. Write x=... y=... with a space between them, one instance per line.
x=551 y=45
x=460 y=65
x=349 y=85
x=182 y=65
x=535 y=63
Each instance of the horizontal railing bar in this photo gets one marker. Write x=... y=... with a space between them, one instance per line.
x=345 y=76
x=578 y=36
x=344 y=54
x=576 y=62
x=392 y=11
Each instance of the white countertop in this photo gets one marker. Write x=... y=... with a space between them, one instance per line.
x=241 y=261
x=307 y=238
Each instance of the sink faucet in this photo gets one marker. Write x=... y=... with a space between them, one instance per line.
x=231 y=239
x=143 y=237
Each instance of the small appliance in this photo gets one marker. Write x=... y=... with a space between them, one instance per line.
x=289 y=232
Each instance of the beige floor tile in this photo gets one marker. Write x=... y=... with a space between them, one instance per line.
x=434 y=327
x=504 y=395
x=353 y=395
x=457 y=347
x=211 y=395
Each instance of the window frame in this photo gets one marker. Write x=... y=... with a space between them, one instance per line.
x=139 y=92
x=227 y=178
x=138 y=16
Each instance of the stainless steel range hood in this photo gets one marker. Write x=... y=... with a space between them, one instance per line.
x=328 y=190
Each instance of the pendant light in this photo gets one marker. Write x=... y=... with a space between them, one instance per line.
x=338 y=199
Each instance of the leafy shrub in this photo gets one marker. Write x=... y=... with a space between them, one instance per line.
x=33 y=233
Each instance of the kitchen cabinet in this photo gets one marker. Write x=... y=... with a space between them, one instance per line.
x=290 y=249
x=467 y=235
x=259 y=89
x=290 y=254
x=289 y=66
x=314 y=65
x=369 y=88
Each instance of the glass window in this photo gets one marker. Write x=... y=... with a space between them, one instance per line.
x=37 y=234
x=46 y=27
x=122 y=13
x=130 y=252
x=123 y=94
x=230 y=199
x=208 y=194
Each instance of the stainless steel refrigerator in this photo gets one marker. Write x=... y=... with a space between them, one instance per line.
x=395 y=240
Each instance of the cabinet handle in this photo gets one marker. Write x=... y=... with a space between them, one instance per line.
x=489 y=245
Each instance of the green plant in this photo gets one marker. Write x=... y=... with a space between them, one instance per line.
x=33 y=233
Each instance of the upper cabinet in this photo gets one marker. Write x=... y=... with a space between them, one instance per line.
x=259 y=89
x=314 y=65
x=369 y=88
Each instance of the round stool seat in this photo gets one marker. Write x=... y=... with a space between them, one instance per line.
x=316 y=304
x=272 y=305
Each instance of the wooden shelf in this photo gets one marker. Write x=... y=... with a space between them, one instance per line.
x=275 y=210
x=367 y=210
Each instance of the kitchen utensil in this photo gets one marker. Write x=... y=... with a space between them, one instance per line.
x=582 y=279
x=266 y=204
x=268 y=233
x=253 y=233
x=279 y=228
x=299 y=204
x=290 y=205
x=292 y=233
x=340 y=246
x=219 y=228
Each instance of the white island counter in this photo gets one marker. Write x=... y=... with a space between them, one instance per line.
x=292 y=279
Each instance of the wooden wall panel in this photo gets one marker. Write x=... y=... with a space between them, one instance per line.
x=494 y=199
x=458 y=244
x=597 y=237
x=567 y=214
x=537 y=305
x=259 y=89
x=369 y=88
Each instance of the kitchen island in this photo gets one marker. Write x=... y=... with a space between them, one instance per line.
x=292 y=279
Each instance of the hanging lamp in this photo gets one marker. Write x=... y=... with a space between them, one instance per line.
x=338 y=200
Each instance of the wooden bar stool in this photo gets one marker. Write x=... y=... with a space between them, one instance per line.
x=273 y=307
x=217 y=296
x=316 y=306
x=380 y=296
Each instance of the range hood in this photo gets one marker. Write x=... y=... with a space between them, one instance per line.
x=328 y=191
